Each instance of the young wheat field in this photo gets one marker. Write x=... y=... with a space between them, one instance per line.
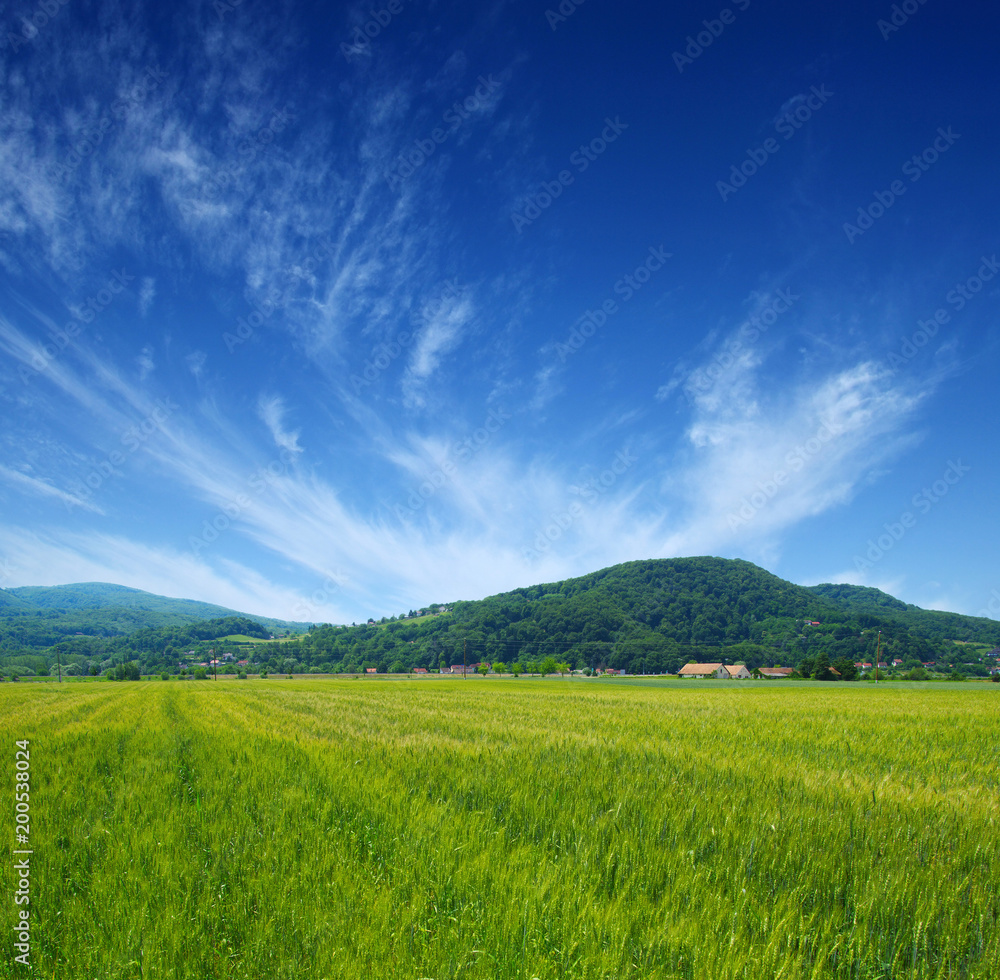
x=506 y=829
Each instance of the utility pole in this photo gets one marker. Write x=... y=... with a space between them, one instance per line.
x=59 y=662
x=465 y=672
x=878 y=656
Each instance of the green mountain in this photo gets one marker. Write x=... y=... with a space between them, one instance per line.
x=35 y=618
x=102 y=595
x=656 y=615
x=651 y=616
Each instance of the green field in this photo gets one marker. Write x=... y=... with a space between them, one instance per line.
x=506 y=829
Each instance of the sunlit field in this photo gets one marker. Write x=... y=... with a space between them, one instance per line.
x=507 y=829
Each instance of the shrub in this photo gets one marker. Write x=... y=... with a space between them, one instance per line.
x=164 y=676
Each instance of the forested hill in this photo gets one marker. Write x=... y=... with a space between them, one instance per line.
x=102 y=595
x=651 y=615
x=654 y=615
x=37 y=617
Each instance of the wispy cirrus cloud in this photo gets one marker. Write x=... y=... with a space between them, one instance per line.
x=35 y=487
x=272 y=411
x=438 y=337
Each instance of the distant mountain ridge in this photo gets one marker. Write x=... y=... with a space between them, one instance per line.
x=101 y=595
x=642 y=615
x=34 y=616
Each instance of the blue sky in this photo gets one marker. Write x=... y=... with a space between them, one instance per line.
x=323 y=311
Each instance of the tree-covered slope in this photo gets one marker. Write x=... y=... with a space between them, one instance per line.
x=37 y=617
x=103 y=595
x=872 y=605
x=859 y=598
x=652 y=615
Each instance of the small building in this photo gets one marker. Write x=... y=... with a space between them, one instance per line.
x=371 y=670
x=738 y=673
x=703 y=670
x=776 y=673
x=419 y=670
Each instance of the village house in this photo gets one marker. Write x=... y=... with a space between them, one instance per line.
x=703 y=670
x=419 y=670
x=739 y=672
x=776 y=673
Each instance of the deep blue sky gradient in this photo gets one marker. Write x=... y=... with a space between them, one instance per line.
x=302 y=325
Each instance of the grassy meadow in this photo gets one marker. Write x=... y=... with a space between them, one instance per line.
x=507 y=829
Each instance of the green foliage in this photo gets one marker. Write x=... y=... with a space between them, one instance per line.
x=125 y=672
x=821 y=668
x=641 y=617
